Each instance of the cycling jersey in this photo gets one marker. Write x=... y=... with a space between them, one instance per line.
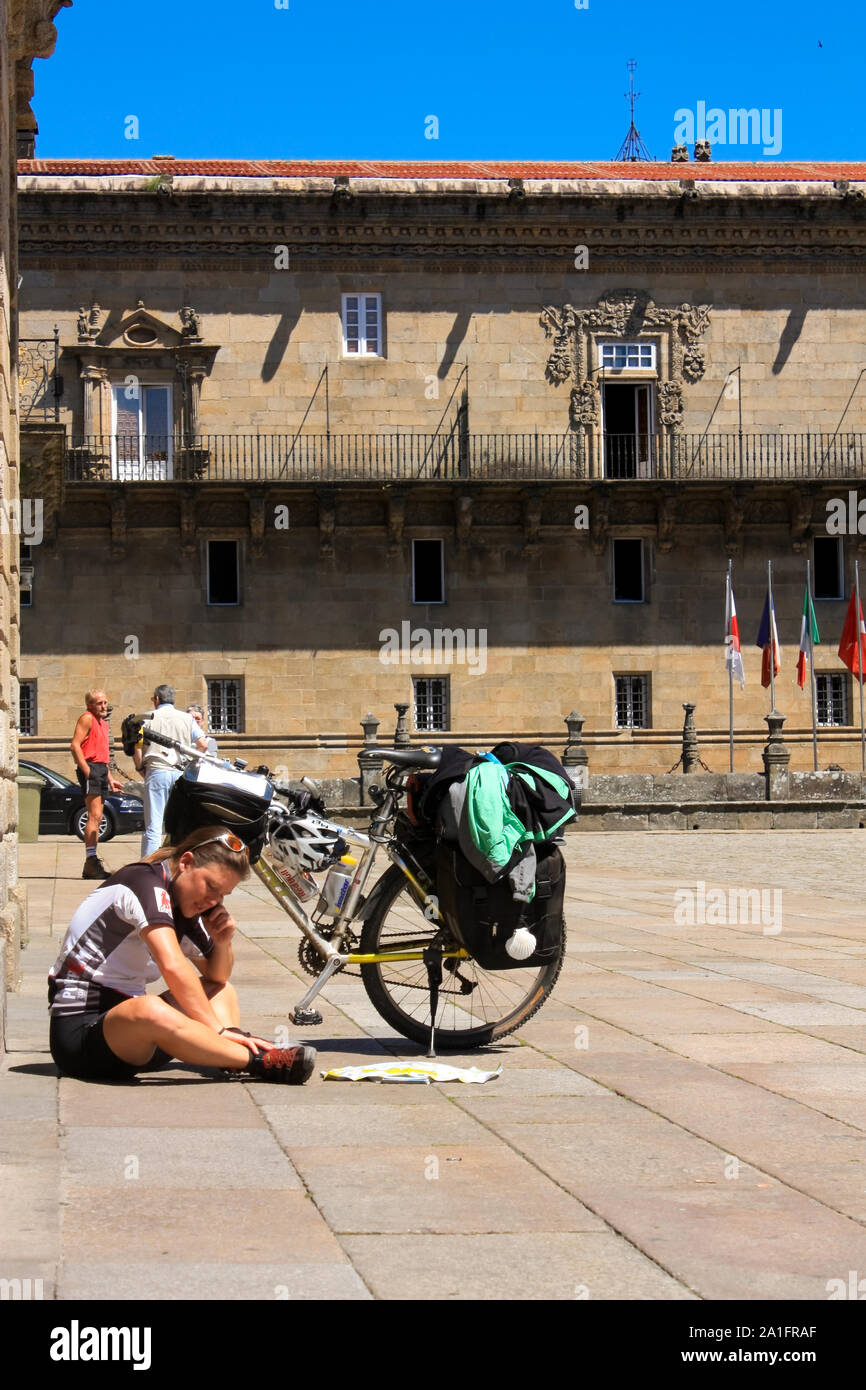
x=103 y=949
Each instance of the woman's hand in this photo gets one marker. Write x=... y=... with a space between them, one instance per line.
x=219 y=922
x=254 y=1044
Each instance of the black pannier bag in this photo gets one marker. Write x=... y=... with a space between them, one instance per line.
x=208 y=795
x=483 y=915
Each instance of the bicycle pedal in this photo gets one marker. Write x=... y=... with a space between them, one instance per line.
x=305 y=1018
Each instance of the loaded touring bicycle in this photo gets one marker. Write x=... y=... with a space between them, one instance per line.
x=448 y=956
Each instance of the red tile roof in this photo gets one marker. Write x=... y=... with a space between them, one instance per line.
x=355 y=168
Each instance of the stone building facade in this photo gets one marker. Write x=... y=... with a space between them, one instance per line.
x=26 y=32
x=585 y=391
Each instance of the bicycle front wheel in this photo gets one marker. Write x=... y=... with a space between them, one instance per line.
x=476 y=1006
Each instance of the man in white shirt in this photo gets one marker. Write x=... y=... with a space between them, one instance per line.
x=160 y=765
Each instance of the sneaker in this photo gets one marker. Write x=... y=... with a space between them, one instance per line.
x=291 y=1065
x=94 y=868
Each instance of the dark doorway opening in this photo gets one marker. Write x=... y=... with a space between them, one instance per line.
x=629 y=445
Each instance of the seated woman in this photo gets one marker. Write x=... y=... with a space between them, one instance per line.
x=162 y=916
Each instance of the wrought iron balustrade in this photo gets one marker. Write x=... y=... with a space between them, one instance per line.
x=40 y=385
x=458 y=455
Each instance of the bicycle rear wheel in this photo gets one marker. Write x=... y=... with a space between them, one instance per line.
x=475 y=1006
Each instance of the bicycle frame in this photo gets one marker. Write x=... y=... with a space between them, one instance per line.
x=328 y=947
x=334 y=958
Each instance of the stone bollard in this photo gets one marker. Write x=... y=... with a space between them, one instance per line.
x=776 y=757
x=575 y=758
x=401 y=733
x=690 y=759
x=369 y=763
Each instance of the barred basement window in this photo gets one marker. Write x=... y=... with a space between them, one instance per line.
x=428 y=571
x=362 y=325
x=831 y=693
x=632 y=702
x=225 y=706
x=828 y=579
x=430 y=698
x=27 y=707
x=223 y=577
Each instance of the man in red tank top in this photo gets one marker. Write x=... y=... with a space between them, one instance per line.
x=92 y=756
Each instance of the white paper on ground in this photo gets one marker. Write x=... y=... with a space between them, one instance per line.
x=422 y=1073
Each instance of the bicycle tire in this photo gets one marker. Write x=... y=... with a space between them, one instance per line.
x=527 y=989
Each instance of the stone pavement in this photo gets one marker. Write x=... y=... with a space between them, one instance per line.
x=685 y=1118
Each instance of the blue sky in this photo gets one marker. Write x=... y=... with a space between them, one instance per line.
x=537 y=79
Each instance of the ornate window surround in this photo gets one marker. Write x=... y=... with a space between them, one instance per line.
x=628 y=315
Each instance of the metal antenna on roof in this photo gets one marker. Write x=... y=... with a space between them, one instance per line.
x=633 y=148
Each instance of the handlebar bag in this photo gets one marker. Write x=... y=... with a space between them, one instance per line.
x=208 y=795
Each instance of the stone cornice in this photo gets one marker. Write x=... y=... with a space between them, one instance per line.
x=459 y=231
x=31 y=31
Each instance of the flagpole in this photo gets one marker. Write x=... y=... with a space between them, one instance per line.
x=812 y=666
x=860 y=666
x=730 y=663
x=771 y=636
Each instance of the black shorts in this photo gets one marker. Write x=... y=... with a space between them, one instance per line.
x=79 y=1048
x=97 y=783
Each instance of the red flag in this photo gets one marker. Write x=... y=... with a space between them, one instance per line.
x=848 y=644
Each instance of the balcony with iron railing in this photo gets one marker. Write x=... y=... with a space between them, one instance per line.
x=275 y=458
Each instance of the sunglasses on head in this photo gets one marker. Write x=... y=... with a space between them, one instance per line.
x=232 y=842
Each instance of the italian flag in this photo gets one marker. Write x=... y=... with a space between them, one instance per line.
x=808 y=636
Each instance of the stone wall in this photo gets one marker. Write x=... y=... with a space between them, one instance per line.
x=119 y=601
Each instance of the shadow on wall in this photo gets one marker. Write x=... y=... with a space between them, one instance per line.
x=278 y=344
x=790 y=333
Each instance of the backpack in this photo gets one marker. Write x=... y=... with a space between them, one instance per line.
x=484 y=915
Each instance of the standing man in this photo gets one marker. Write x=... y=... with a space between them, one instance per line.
x=92 y=755
x=160 y=765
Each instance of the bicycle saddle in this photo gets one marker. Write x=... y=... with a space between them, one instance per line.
x=409 y=757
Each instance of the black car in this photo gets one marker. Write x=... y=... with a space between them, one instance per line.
x=62 y=810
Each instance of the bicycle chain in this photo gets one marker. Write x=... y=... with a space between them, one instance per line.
x=313 y=964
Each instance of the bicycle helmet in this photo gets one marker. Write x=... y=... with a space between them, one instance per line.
x=208 y=795
x=307 y=842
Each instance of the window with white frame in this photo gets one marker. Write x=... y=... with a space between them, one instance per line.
x=27 y=707
x=142 y=430
x=362 y=325
x=632 y=702
x=617 y=357
x=430 y=702
x=831 y=697
x=428 y=571
x=224 y=705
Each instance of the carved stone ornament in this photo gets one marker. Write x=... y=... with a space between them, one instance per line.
x=624 y=314
x=584 y=409
x=670 y=404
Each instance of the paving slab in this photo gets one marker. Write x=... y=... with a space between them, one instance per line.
x=224 y=1279
x=474 y=1268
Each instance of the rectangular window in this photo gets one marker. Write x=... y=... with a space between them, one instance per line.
x=831 y=692
x=628 y=571
x=632 y=702
x=223 y=576
x=828 y=570
x=431 y=703
x=27 y=707
x=616 y=357
x=362 y=325
x=428 y=571
x=26 y=571
x=142 y=432
x=225 y=706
